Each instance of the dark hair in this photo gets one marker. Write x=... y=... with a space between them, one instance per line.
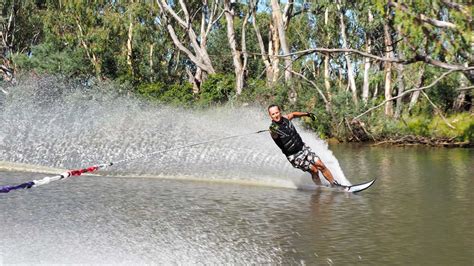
x=273 y=105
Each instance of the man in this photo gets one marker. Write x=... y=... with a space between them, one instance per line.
x=296 y=151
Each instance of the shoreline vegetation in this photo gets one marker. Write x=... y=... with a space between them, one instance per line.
x=379 y=72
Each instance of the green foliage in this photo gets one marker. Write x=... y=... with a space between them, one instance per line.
x=419 y=125
x=46 y=58
x=217 y=89
x=152 y=90
x=179 y=95
x=80 y=39
x=175 y=94
x=385 y=128
x=427 y=126
x=255 y=91
x=463 y=127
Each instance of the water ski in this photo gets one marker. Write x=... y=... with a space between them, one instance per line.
x=356 y=188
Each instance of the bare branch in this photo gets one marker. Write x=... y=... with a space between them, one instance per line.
x=213 y=13
x=6 y=70
x=416 y=58
x=405 y=93
x=423 y=18
x=186 y=51
x=185 y=11
x=243 y=40
x=166 y=7
x=314 y=85
x=458 y=7
x=287 y=13
x=465 y=88
x=263 y=54
x=438 y=111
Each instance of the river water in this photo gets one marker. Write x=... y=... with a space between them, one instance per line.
x=419 y=212
x=245 y=205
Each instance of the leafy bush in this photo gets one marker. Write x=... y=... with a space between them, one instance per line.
x=175 y=94
x=418 y=125
x=463 y=127
x=179 y=95
x=217 y=89
x=256 y=91
x=47 y=58
x=151 y=90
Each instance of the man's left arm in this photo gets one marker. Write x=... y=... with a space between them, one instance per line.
x=300 y=114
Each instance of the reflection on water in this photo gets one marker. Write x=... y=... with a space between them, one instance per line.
x=419 y=212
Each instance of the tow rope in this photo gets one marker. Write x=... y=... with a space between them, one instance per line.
x=78 y=172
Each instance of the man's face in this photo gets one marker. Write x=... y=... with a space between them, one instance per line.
x=274 y=113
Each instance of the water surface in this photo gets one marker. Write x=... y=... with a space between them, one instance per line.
x=418 y=212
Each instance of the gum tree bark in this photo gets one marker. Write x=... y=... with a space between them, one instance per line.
x=7 y=36
x=365 y=86
x=327 y=84
x=416 y=94
x=198 y=53
x=279 y=23
x=388 y=70
x=239 y=58
x=269 y=57
x=350 y=74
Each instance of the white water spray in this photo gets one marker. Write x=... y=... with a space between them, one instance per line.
x=51 y=123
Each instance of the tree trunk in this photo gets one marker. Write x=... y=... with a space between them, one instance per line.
x=267 y=60
x=376 y=91
x=388 y=71
x=327 y=84
x=416 y=94
x=239 y=58
x=365 y=86
x=273 y=48
x=278 y=22
x=401 y=89
x=350 y=74
x=198 y=55
x=460 y=101
x=400 y=80
x=129 y=47
x=7 y=37
x=150 y=58
x=90 y=54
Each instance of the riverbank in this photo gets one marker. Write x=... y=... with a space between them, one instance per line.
x=456 y=130
x=412 y=140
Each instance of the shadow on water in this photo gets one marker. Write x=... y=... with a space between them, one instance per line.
x=51 y=122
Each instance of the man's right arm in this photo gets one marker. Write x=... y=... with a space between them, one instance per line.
x=274 y=135
x=273 y=131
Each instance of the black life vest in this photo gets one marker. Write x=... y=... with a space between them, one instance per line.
x=288 y=138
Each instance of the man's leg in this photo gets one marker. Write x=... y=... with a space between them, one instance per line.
x=315 y=175
x=319 y=165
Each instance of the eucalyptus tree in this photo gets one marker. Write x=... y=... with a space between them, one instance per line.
x=343 y=38
x=195 y=20
x=20 y=28
x=239 y=56
x=438 y=33
x=269 y=53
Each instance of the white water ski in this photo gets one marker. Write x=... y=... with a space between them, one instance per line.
x=358 y=187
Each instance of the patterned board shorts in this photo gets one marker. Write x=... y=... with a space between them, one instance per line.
x=303 y=159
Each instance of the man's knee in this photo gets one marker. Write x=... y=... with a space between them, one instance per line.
x=319 y=164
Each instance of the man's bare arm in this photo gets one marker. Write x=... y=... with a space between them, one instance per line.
x=296 y=114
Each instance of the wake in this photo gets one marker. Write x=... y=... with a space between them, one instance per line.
x=52 y=123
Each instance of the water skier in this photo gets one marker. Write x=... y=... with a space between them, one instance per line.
x=296 y=151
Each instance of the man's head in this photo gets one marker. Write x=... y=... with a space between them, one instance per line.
x=274 y=112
